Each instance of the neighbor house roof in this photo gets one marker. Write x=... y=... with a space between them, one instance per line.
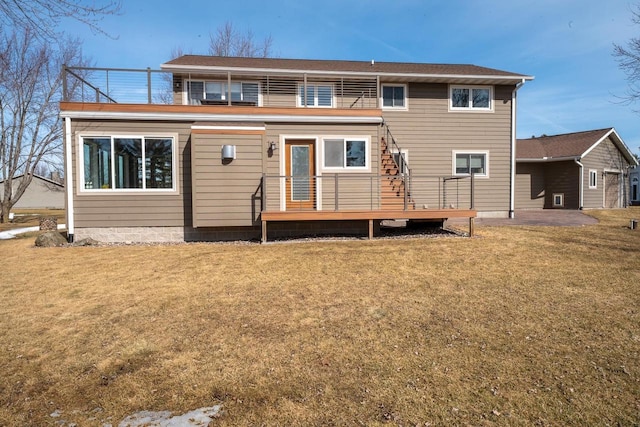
x=50 y=181
x=568 y=146
x=421 y=71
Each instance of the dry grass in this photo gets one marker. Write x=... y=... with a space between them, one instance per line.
x=519 y=326
x=31 y=217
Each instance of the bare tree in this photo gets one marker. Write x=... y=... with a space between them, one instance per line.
x=45 y=15
x=227 y=41
x=30 y=126
x=628 y=58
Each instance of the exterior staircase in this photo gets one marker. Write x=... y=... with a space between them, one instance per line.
x=393 y=183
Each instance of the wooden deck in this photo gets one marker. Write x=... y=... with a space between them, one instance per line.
x=366 y=215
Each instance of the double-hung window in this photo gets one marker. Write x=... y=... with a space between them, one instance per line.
x=468 y=163
x=345 y=153
x=246 y=92
x=315 y=95
x=394 y=96
x=470 y=98
x=128 y=162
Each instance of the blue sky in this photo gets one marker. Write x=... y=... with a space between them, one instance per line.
x=565 y=44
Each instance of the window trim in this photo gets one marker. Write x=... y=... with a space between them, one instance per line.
x=593 y=179
x=300 y=102
x=204 y=82
x=405 y=90
x=553 y=200
x=112 y=136
x=346 y=169
x=470 y=108
x=470 y=152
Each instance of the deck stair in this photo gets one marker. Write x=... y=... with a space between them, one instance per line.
x=393 y=183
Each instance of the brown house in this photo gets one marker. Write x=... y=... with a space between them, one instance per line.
x=223 y=147
x=573 y=171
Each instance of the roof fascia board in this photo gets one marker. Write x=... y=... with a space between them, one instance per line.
x=547 y=159
x=238 y=70
x=108 y=115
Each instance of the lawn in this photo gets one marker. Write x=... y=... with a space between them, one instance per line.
x=31 y=217
x=517 y=326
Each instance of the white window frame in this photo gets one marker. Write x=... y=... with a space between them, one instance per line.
x=470 y=107
x=556 y=196
x=405 y=154
x=405 y=89
x=300 y=101
x=113 y=136
x=204 y=82
x=470 y=152
x=593 y=178
x=345 y=168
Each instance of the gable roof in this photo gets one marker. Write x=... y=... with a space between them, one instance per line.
x=47 y=180
x=568 y=146
x=398 y=70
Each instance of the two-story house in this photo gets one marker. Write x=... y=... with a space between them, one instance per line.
x=253 y=147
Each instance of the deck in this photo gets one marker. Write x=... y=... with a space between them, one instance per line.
x=366 y=215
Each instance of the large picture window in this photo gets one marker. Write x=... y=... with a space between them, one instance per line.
x=218 y=92
x=123 y=163
x=467 y=163
x=345 y=153
x=471 y=98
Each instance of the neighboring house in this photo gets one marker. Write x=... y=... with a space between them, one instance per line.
x=581 y=170
x=42 y=193
x=634 y=186
x=306 y=146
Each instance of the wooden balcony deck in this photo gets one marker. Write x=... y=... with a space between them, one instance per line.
x=366 y=215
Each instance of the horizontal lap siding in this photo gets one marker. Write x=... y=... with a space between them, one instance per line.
x=223 y=194
x=604 y=156
x=148 y=209
x=430 y=132
x=562 y=177
x=530 y=186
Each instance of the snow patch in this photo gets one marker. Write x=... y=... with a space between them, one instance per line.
x=197 y=418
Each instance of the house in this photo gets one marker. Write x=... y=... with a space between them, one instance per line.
x=42 y=193
x=581 y=170
x=264 y=147
x=634 y=190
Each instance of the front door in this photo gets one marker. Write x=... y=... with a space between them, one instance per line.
x=300 y=171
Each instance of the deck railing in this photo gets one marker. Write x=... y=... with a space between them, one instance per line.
x=147 y=86
x=344 y=192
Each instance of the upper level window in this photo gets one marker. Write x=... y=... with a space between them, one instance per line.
x=317 y=95
x=467 y=163
x=467 y=98
x=394 y=96
x=345 y=153
x=217 y=91
x=593 y=178
x=122 y=163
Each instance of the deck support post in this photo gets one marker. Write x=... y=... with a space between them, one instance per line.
x=370 y=229
x=264 y=232
x=471 y=225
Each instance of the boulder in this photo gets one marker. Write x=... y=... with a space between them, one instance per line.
x=86 y=242
x=50 y=239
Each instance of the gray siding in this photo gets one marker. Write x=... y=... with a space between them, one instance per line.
x=530 y=186
x=117 y=209
x=605 y=156
x=40 y=194
x=564 y=178
x=431 y=133
x=224 y=193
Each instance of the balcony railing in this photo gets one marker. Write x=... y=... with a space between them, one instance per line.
x=147 y=86
x=343 y=192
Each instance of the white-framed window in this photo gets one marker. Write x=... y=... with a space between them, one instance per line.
x=128 y=163
x=218 y=91
x=394 y=96
x=467 y=162
x=593 y=178
x=470 y=98
x=345 y=154
x=401 y=158
x=558 y=200
x=317 y=95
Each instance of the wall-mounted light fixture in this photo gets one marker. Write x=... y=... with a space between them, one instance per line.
x=177 y=84
x=273 y=146
x=228 y=153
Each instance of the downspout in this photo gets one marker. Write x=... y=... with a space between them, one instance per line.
x=581 y=186
x=514 y=95
x=68 y=178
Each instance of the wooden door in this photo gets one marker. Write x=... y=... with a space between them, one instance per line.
x=300 y=172
x=612 y=190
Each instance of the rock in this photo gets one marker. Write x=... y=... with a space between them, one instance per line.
x=50 y=239
x=86 y=242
